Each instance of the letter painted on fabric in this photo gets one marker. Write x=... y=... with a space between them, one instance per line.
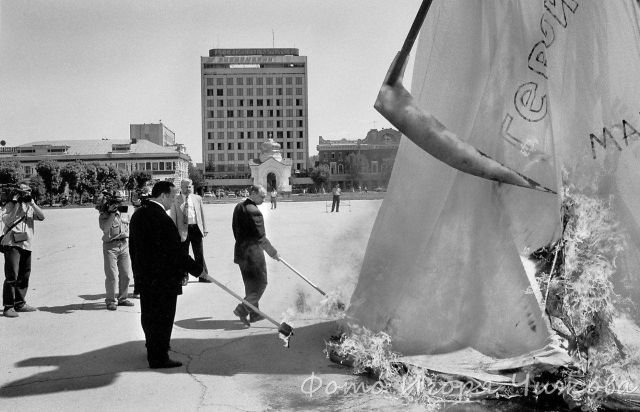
x=558 y=9
x=531 y=107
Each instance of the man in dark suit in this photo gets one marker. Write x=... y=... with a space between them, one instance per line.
x=159 y=262
x=251 y=243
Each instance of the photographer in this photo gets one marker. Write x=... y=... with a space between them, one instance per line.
x=114 y=222
x=20 y=213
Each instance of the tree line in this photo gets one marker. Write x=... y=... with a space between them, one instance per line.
x=76 y=182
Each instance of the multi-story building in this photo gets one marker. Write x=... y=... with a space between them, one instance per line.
x=156 y=133
x=249 y=96
x=163 y=163
x=360 y=163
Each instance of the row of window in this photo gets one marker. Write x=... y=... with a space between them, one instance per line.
x=252 y=102
x=252 y=91
x=233 y=167
x=254 y=113
x=259 y=81
x=231 y=124
x=364 y=168
x=130 y=166
x=259 y=134
x=248 y=146
x=221 y=157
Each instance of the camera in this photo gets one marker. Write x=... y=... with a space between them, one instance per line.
x=108 y=199
x=11 y=192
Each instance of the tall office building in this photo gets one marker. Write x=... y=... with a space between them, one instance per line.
x=249 y=96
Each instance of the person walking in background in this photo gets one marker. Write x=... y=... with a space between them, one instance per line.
x=188 y=215
x=251 y=243
x=274 y=198
x=21 y=212
x=114 y=223
x=159 y=262
x=335 y=204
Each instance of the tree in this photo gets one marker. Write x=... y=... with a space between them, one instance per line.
x=320 y=175
x=195 y=174
x=71 y=175
x=38 y=189
x=138 y=179
x=10 y=171
x=49 y=171
x=110 y=178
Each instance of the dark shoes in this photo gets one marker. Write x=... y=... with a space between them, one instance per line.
x=166 y=364
x=112 y=306
x=125 y=302
x=10 y=313
x=25 y=308
x=255 y=317
x=243 y=317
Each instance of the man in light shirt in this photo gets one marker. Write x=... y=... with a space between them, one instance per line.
x=188 y=215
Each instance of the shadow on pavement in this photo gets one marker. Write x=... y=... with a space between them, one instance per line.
x=209 y=323
x=66 y=309
x=259 y=353
x=100 y=296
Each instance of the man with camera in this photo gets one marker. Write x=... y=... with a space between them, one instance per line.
x=19 y=215
x=114 y=222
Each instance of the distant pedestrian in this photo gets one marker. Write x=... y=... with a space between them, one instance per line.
x=114 y=223
x=19 y=215
x=251 y=243
x=274 y=198
x=335 y=204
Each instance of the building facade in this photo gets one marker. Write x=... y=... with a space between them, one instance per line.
x=360 y=163
x=249 y=96
x=163 y=163
x=156 y=133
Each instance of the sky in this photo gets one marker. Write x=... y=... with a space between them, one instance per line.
x=86 y=69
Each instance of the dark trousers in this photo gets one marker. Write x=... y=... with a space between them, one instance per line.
x=158 y=311
x=335 y=204
x=194 y=237
x=17 y=269
x=254 y=276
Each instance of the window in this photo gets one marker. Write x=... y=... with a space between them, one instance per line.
x=270 y=123
x=288 y=155
x=298 y=80
x=220 y=146
x=220 y=124
x=278 y=102
x=289 y=91
x=300 y=123
x=289 y=80
x=221 y=157
x=219 y=81
x=240 y=113
x=250 y=146
x=209 y=81
x=374 y=166
x=278 y=123
x=229 y=113
x=229 y=91
x=260 y=134
x=210 y=114
x=239 y=81
x=260 y=114
x=229 y=146
x=209 y=103
x=231 y=156
x=300 y=113
x=260 y=124
x=249 y=123
x=154 y=166
x=209 y=92
x=249 y=91
x=231 y=135
x=300 y=156
x=332 y=168
x=269 y=81
x=210 y=124
x=240 y=124
x=220 y=135
x=258 y=92
x=288 y=145
x=289 y=102
x=249 y=113
x=229 y=80
x=300 y=134
x=240 y=136
x=340 y=169
x=239 y=92
x=280 y=135
x=270 y=113
x=278 y=80
x=279 y=91
x=240 y=102
x=298 y=90
x=298 y=145
x=259 y=102
x=230 y=124
x=209 y=135
x=259 y=81
x=249 y=81
x=219 y=92
x=278 y=113
x=268 y=102
x=289 y=134
x=249 y=136
x=240 y=144
x=270 y=91
x=220 y=113
x=298 y=102
x=289 y=112
x=240 y=156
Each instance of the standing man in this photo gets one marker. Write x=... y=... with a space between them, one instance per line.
x=251 y=242
x=20 y=213
x=114 y=222
x=188 y=215
x=159 y=262
x=336 y=198
x=274 y=198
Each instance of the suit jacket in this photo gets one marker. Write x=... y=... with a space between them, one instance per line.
x=158 y=259
x=248 y=230
x=177 y=214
